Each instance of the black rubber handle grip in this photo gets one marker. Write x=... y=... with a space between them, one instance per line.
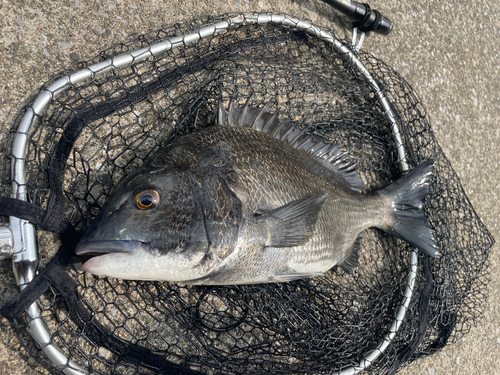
x=364 y=17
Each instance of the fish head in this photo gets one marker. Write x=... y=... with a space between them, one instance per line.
x=151 y=228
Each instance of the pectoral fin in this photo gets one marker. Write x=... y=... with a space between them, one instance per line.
x=292 y=224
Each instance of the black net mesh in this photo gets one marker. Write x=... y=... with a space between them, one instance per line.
x=317 y=325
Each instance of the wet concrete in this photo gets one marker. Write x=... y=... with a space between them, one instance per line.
x=448 y=51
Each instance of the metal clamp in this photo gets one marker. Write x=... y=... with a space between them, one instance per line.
x=6 y=242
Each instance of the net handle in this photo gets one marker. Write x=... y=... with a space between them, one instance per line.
x=25 y=252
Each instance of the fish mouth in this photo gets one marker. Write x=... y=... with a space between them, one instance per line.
x=107 y=247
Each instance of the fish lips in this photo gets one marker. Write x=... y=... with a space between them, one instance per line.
x=111 y=258
x=108 y=247
x=134 y=260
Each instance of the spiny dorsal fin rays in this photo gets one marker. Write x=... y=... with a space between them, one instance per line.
x=256 y=118
x=247 y=116
x=299 y=138
x=241 y=118
x=278 y=126
x=232 y=115
x=301 y=143
x=341 y=162
x=271 y=123
x=222 y=115
x=261 y=119
x=258 y=122
x=346 y=166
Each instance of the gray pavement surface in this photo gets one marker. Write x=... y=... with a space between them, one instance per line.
x=447 y=50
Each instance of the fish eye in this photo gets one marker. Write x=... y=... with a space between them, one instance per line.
x=146 y=199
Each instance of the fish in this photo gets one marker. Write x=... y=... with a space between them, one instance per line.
x=250 y=199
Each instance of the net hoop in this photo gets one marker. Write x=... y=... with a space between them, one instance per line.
x=25 y=253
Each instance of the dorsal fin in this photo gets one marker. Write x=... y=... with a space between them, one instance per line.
x=338 y=160
x=250 y=117
x=261 y=119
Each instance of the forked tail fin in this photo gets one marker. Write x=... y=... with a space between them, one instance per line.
x=405 y=218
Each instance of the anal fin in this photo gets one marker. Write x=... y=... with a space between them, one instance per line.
x=352 y=261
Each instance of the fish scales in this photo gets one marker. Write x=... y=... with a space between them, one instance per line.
x=271 y=174
x=229 y=204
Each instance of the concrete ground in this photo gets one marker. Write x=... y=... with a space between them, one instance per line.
x=448 y=51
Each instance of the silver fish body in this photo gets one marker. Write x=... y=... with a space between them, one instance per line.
x=250 y=200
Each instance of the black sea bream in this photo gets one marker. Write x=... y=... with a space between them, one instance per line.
x=249 y=200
